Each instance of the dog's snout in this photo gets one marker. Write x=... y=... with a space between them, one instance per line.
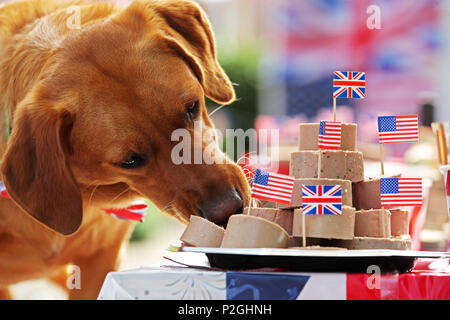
x=218 y=209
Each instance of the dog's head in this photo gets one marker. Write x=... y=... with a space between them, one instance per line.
x=98 y=127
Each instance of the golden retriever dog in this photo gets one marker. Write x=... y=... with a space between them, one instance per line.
x=91 y=110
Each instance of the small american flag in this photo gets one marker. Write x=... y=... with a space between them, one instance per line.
x=322 y=199
x=393 y=129
x=272 y=186
x=401 y=191
x=329 y=135
x=349 y=84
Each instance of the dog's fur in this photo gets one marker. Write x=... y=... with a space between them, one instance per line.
x=79 y=101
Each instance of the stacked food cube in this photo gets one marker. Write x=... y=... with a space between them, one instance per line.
x=362 y=223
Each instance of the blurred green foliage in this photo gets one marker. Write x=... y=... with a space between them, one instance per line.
x=152 y=221
x=241 y=66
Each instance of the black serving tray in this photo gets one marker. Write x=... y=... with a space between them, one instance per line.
x=310 y=260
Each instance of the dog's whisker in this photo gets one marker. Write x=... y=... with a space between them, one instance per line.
x=216 y=109
x=92 y=193
x=121 y=193
x=167 y=206
x=246 y=156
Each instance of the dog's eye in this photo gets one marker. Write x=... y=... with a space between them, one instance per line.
x=135 y=160
x=192 y=109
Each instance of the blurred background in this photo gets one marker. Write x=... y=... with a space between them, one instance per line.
x=281 y=54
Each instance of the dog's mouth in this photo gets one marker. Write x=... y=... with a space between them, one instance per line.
x=217 y=209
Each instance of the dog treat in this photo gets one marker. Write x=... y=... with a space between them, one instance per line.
x=282 y=217
x=326 y=226
x=202 y=233
x=346 y=165
x=309 y=135
x=297 y=191
x=366 y=193
x=373 y=223
x=395 y=243
x=399 y=222
x=244 y=231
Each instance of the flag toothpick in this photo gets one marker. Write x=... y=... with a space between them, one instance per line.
x=250 y=205
x=334 y=109
x=348 y=84
x=397 y=129
x=381 y=159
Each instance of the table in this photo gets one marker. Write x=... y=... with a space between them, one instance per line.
x=430 y=279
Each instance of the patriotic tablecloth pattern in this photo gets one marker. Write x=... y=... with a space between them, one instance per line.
x=429 y=280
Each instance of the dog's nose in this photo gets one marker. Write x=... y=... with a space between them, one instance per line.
x=219 y=208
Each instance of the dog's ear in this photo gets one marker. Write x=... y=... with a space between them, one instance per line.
x=35 y=169
x=184 y=28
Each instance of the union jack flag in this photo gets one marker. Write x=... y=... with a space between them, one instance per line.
x=322 y=199
x=272 y=187
x=329 y=135
x=349 y=84
x=392 y=129
x=401 y=191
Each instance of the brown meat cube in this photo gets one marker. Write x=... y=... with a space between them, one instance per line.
x=373 y=223
x=309 y=135
x=399 y=222
x=360 y=243
x=333 y=164
x=202 y=233
x=326 y=226
x=282 y=217
x=346 y=165
x=304 y=164
x=244 y=231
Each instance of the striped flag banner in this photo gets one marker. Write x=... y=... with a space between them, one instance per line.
x=349 y=84
x=272 y=187
x=394 y=129
x=329 y=135
x=401 y=192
